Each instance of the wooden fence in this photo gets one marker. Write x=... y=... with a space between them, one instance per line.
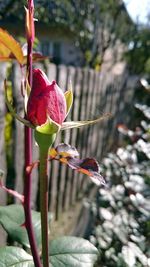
x=94 y=94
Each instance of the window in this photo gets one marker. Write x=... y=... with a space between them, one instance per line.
x=57 y=52
x=51 y=49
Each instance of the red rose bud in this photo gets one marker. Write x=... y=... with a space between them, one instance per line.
x=46 y=100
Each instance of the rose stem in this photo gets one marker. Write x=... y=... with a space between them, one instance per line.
x=44 y=141
x=44 y=205
x=28 y=160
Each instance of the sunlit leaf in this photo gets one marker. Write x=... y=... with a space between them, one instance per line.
x=10 y=43
x=15 y=257
x=72 y=251
x=4 y=51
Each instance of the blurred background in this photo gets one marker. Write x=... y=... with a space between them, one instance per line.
x=104 y=48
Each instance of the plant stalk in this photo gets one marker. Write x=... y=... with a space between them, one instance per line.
x=44 y=205
x=28 y=160
x=27 y=199
x=44 y=141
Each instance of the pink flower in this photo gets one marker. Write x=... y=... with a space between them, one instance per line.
x=46 y=100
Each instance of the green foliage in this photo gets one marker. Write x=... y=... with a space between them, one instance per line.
x=72 y=251
x=64 y=251
x=16 y=257
x=122 y=210
x=138 y=55
x=147 y=66
x=12 y=220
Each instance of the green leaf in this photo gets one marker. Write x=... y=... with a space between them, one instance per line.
x=72 y=251
x=77 y=124
x=15 y=257
x=12 y=220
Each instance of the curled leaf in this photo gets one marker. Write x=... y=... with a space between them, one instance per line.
x=64 y=150
x=68 y=155
x=88 y=166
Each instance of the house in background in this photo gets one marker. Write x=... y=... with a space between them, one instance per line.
x=58 y=42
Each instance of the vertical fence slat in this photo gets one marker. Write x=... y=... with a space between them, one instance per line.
x=3 y=164
x=63 y=179
x=67 y=190
x=19 y=130
x=75 y=115
x=56 y=169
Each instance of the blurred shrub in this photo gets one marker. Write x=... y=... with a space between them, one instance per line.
x=122 y=210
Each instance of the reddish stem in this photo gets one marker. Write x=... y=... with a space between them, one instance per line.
x=28 y=160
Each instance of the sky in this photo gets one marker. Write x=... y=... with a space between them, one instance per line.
x=138 y=9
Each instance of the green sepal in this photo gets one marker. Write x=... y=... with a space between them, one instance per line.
x=49 y=128
x=44 y=141
x=69 y=100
